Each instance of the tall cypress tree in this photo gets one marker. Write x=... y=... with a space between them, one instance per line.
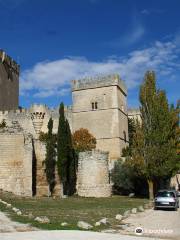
x=65 y=153
x=71 y=158
x=50 y=160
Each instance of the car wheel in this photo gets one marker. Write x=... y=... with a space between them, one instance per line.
x=155 y=208
x=175 y=209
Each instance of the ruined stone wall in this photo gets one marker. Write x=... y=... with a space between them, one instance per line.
x=93 y=174
x=16 y=162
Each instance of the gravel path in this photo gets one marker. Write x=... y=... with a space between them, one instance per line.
x=156 y=223
x=6 y=225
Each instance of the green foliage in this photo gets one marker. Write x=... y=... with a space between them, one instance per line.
x=3 y=124
x=43 y=137
x=154 y=146
x=83 y=140
x=122 y=177
x=127 y=151
x=66 y=158
x=153 y=150
x=159 y=128
x=50 y=160
x=71 y=162
x=131 y=129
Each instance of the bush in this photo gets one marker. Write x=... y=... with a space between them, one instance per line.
x=126 y=180
x=122 y=177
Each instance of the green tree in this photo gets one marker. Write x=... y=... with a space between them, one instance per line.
x=65 y=162
x=127 y=151
x=50 y=159
x=158 y=134
x=71 y=162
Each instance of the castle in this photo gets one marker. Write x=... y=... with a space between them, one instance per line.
x=99 y=104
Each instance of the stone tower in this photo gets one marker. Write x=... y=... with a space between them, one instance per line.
x=99 y=104
x=9 y=83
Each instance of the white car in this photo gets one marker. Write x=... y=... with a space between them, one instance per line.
x=166 y=199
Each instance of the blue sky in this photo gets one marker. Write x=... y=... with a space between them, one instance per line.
x=60 y=40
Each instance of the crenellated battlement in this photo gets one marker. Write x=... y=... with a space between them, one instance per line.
x=134 y=113
x=18 y=111
x=99 y=81
x=11 y=64
x=9 y=79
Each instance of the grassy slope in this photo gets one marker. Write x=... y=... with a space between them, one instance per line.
x=69 y=210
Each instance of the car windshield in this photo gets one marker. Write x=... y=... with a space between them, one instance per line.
x=165 y=194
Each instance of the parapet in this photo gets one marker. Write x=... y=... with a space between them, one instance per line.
x=99 y=81
x=4 y=58
x=134 y=111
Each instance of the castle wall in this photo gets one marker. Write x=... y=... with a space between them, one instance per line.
x=30 y=119
x=23 y=159
x=9 y=83
x=93 y=174
x=175 y=182
x=16 y=162
x=23 y=118
x=135 y=114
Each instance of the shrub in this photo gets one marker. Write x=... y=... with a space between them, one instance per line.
x=122 y=177
x=83 y=140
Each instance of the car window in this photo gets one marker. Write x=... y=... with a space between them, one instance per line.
x=165 y=194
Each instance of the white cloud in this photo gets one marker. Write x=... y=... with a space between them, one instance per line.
x=53 y=77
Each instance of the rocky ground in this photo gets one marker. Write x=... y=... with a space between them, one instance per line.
x=155 y=225
x=6 y=225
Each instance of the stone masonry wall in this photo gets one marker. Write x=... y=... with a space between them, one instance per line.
x=93 y=174
x=16 y=162
x=41 y=182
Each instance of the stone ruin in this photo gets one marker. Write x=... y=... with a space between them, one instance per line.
x=93 y=174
